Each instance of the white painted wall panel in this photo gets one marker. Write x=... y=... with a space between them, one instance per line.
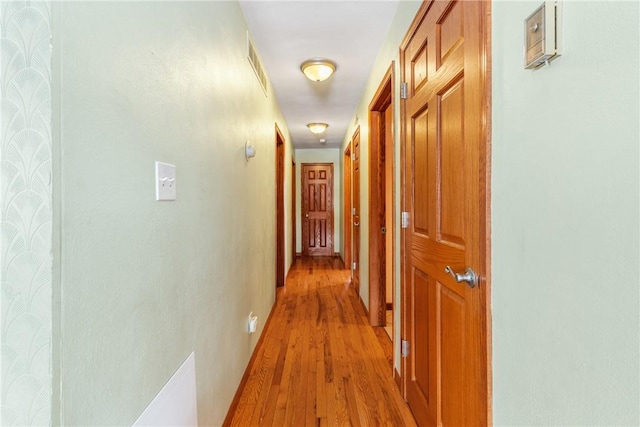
x=565 y=217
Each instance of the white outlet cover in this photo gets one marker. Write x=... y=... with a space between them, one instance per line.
x=165 y=181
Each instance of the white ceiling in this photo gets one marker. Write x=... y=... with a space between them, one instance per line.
x=286 y=33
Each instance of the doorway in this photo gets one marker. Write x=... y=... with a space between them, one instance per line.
x=279 y=208
x=381 y=251
x=317 y=209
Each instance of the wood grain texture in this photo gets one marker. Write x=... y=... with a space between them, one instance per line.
x=319 y=363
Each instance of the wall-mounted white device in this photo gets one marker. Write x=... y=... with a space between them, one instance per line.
x=253 y=323
x=542 y=35
x=249 y=151
x=165 y=181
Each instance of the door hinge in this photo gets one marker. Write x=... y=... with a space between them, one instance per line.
x=353 y=211
x=404 y=350
x=354 y=266
x=405 y=219
x=404 y=90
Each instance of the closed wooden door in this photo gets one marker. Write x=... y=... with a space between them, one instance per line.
x=279 y=208
x=445 y=119
x=317 y=209
x=347 y=205
x=380 y=200
x=355 y=217
x=293 y=209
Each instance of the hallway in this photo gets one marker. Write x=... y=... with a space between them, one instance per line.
x=319 y=362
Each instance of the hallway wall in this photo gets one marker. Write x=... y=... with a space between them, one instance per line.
x=143 y=283
x=565 y=212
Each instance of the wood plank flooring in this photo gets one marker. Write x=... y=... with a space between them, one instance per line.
x=319 y=362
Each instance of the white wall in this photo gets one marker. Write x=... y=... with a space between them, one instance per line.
x=565 y=213
x=326 y=155
x=143 y=283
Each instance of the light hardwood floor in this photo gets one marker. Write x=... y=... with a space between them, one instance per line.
x=319 y=362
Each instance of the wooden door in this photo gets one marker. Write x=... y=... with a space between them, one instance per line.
x=293 y=209
x=380 y=188
x=279 y=208
x=317 y=209
x=355 y=217
x=347 y=205
x=389 y=210
x=445 y=176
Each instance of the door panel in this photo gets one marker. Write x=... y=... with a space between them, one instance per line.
x=452 y=160
x=317 y=209
x=445 y=193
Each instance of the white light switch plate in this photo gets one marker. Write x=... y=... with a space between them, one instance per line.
x=165 y=181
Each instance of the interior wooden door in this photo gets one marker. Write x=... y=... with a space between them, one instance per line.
x=293 y=209
x=355 y=217
x=347 y=205
x=380 y=211
x=279 y=208
x=445 y=126
x=389 y=210
x=317 y=209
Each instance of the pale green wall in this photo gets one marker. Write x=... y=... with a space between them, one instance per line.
x=321 y=156
x=388 y=52
x=26 y=214
x=565 y=212
x=144 y=283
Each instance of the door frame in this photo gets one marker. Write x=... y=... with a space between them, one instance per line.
x=347 y=205
x=378 y=211
x=483 y=162
x=280 y=244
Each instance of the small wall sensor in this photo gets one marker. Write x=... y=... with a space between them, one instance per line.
x=249 y=150
x=542 y=30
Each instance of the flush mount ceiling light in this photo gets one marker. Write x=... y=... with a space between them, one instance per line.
x=318 y=69
x=317 y=128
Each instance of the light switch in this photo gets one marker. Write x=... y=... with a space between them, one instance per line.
x=165 y=181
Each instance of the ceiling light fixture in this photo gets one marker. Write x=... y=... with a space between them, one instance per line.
x=318 y=69
x=317 y=128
